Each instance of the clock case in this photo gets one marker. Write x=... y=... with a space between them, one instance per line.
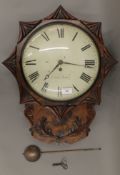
x=54 y=121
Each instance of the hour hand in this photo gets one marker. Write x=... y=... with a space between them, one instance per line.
x=48 y=75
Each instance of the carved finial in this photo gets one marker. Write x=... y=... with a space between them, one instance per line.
x=60 y=13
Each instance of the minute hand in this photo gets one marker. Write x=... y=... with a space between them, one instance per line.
x=64 y=62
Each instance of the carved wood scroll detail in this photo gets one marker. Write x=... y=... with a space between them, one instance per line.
x=72 y=126
x=10 y=63
x=61 y=122
x=60 y=13
x=25 y=28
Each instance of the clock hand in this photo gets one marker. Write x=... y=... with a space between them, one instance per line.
x=48 y=75
x=64 y=62
x=60 y=62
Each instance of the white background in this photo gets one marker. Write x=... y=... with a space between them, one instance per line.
x=14 y=134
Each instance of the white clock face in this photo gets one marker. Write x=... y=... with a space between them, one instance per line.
x=60 y=61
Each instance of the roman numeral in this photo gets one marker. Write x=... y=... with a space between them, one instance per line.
x=60 y=32
x=34 y=47
x=89 y=63
x=75 y=36
x=86 y=47
x=34 y=76
x=45 y=36
x=85 y=77
x=59 y=91
x=75 y=88
x=45 y=86
x=30 y=62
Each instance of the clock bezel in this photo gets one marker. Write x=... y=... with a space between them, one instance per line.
x=20 y=50
x=37 y=30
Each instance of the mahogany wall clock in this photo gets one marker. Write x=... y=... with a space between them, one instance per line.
x=60 y=63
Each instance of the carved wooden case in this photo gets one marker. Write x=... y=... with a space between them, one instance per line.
x=60 y=121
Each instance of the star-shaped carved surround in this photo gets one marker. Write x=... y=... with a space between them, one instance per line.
x=94 y=28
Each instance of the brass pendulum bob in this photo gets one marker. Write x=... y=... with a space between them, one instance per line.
x=32 y=153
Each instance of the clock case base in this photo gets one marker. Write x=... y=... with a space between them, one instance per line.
x=59 y=123
x=54 y=121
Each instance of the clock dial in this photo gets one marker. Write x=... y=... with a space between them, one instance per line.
x=60 y=61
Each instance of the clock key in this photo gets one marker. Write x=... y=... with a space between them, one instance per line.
x=63 y=164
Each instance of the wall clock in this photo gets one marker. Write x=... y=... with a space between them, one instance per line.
x=60 y=63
